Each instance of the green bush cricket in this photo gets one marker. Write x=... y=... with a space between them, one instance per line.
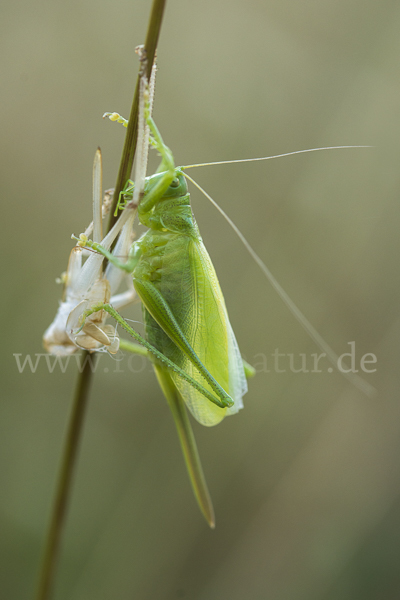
x=189 y=337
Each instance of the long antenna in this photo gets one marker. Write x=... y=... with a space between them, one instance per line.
x=242 y=160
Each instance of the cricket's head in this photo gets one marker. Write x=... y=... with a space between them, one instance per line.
x=162 y=186
x=177 y=187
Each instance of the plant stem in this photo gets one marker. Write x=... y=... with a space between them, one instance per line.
x=65 y=478
x=128 y=153
x=63 y=490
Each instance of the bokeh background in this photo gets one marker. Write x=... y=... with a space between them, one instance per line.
x=305 y=481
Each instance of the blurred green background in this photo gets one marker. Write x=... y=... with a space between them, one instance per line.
x=305 y=481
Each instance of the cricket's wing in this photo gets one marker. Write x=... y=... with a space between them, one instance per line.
x=205 y=324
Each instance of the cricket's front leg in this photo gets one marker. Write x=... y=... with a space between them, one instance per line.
x=128 y=266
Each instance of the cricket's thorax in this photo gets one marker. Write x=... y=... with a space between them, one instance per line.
x=172 y=230
x=173 y=216
x=165 y=258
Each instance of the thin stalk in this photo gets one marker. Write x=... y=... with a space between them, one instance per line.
x=63 y=490
x=68 y=462
x=128 y=153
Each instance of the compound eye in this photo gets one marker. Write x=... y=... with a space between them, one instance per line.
x=175 y=183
